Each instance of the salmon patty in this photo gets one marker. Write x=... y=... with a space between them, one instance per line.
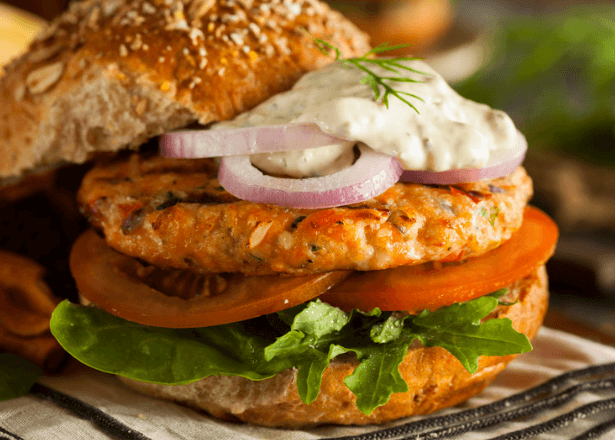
x=173 y=213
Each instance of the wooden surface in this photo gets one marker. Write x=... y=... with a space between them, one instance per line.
x=559 y=321
x=17 y=29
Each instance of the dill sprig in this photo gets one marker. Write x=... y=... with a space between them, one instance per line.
x=373 y=79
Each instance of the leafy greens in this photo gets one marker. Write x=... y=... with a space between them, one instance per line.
x=306 y=337
x=553 y=74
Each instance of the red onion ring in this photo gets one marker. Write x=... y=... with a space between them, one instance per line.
x=501 y=163
x=371 y=175
x=193 y=144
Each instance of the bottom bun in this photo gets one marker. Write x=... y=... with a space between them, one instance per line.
x=435 y=379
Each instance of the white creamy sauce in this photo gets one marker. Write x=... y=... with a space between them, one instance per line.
x=449 y=132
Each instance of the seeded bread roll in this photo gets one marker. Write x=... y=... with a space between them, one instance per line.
x=435 y=379
x=109 y=74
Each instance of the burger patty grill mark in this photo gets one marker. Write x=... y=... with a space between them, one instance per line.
x=174 y=209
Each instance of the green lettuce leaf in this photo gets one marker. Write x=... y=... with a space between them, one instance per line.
x=306 y=337
x=17 y=376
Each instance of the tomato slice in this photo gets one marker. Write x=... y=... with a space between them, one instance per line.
x=111 y=281
x=416 y=288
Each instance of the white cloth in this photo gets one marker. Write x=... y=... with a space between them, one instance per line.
x=32 y=418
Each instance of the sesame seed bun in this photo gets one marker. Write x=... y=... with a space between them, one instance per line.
x=107 y=75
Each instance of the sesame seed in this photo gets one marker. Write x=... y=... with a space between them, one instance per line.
x=294 y=9
x=202 y=52
x=148 y=8
x=221 y=71
x=269 y=51
x=237 y=39
x=255 y=29
x=136 y=45
x=123 y=50
x=230 y=18
x=245 y=49
x=194 y=34
x=186 y=51
x=202 y=63
x=146 y=47
x=196 y=80
x=161 y=59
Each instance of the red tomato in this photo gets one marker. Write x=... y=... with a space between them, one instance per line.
x=108 y=279
x=416 y=288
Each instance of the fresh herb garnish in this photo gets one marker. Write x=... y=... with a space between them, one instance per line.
x=305 y=337
x=372 y=78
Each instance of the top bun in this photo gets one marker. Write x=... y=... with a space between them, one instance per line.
x=109 y=74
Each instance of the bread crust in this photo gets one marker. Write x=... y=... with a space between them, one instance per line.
x=110 y=74
x=435 y=379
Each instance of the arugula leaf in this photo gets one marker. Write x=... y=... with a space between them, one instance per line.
x=459 y=330
x=320 y=319
x=17 y=376
x=309 y=375
x=388 y=331
x=377 y=376
x=467 y=342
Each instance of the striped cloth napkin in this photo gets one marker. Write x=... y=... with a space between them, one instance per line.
x=564 y=389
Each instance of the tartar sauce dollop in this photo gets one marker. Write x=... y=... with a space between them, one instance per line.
x=448 y=132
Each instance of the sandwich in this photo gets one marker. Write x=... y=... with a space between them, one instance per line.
x=368 y=255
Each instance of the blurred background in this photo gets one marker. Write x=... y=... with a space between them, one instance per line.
x=549 y=63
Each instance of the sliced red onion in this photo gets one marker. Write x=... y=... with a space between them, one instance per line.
x=371 y=175
x=500 y=164
x=192 y=144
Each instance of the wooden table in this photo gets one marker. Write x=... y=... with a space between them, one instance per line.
x=559 y=321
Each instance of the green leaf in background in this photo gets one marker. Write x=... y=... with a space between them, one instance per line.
x=17 y=376
x=553 y=74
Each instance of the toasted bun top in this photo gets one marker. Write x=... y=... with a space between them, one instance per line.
x=109 y=74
